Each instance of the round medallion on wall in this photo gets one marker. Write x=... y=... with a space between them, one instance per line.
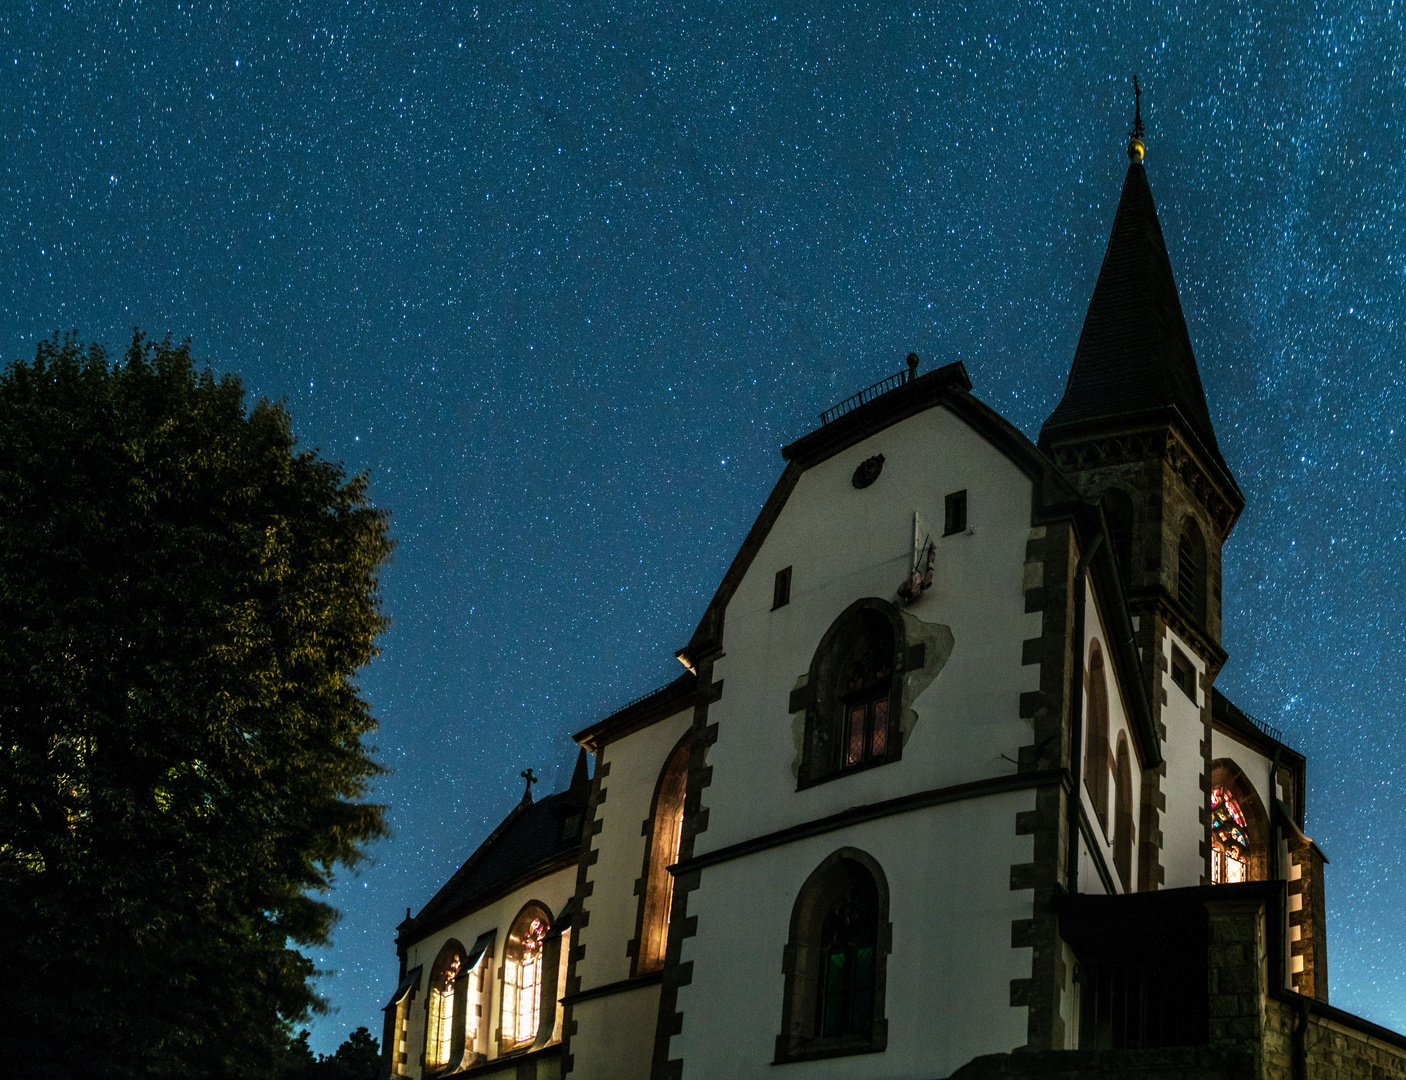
x=868 y=471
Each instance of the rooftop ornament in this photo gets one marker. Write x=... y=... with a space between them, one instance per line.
x=1137 y=149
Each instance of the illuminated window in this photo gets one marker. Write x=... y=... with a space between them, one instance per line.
x=835 y=962
x=666 y=834
x=446 y=998
x=1230 y=841
x=522 y=978
x=853 y=694
x=865 y=689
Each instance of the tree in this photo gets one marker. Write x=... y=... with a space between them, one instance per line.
x=184 y=601
x=358 y=1058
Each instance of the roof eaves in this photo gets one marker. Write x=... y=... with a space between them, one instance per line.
x=663 y=702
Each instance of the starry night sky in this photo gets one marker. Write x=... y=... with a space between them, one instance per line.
x=562 y=278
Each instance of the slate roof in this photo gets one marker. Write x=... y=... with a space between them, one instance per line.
x=1134 y=357
x=533 y=835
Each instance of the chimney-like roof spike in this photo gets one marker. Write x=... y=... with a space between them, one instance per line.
x=1137 y=149
x=912 y=366
x=580 y=789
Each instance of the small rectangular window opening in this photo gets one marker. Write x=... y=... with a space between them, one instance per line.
x=1184 y=674
x=956 y=518
x=781 y=591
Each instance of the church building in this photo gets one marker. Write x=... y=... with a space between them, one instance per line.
x=945 y=788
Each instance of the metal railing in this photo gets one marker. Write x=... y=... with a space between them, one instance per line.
x=1265 y=729
x=869 y=393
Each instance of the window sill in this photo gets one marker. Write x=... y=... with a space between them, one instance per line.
x=809 y=1049
x=840 y=774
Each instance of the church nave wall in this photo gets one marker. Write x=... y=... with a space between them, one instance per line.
x=1185 y=785
x=618 y=847
x=958 y=719
x=485 y=1022
x=948 y=889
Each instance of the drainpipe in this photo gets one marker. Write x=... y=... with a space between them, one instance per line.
x=1273 y=828
x=1076 y=706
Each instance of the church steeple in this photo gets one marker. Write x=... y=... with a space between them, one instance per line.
x=1133 y=429
x=1134 y=360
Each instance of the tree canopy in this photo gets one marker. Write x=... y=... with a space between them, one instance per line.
x=185 y=598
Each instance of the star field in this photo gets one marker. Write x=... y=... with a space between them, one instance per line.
x=562 y=277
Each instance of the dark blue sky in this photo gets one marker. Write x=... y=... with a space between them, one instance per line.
x=562 y=277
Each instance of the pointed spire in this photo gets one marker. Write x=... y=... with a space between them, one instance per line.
x=1134 y=361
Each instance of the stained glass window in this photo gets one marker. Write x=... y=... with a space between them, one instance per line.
x=845 y=1004
x=438 y=1043
x=522 y=983
x=1230 y=843
x=866 y=696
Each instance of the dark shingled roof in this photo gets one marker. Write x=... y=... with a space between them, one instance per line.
x=1134 y=358
x=534 y=834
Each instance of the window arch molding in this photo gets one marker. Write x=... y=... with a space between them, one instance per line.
x=446 y=1007
x=663 y=831
x=524 y=977
x=847 y=882
x=1227 y=775
x=870 y=632
x=1097 y=758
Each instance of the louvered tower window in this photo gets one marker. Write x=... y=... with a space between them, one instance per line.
x=1191 y=567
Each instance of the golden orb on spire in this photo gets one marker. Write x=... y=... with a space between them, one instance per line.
x=1137 y=149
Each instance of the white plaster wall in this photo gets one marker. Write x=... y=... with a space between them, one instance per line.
x=1252 y=763
x=844 y=544
x=1182 y=830
x=553 y=890
x=635 y=764
x=614 y=1037
x=1095 y=628
x=949 y=974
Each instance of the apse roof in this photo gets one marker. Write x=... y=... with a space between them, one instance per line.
x=1134 y=357
x=533 y=836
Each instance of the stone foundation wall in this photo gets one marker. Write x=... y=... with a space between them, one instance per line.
x=1176 y=1063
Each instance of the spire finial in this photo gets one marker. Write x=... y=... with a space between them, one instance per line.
x=527 y=775
x=1136 y=147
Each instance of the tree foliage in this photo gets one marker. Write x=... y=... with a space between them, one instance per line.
x=358 y=1058
x=184 y=600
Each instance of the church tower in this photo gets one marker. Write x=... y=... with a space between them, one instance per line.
x=1133 y=432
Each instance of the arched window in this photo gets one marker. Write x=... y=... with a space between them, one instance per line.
x=661 y=851
x=1239 y=827
x=1230 y=842
x=523 y=978
x=1191 y=570
x=1123 y=814
x=1118 y=512
x=1096 y=735
x=444 y=1027
x=836 y=961
x=853 y=693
